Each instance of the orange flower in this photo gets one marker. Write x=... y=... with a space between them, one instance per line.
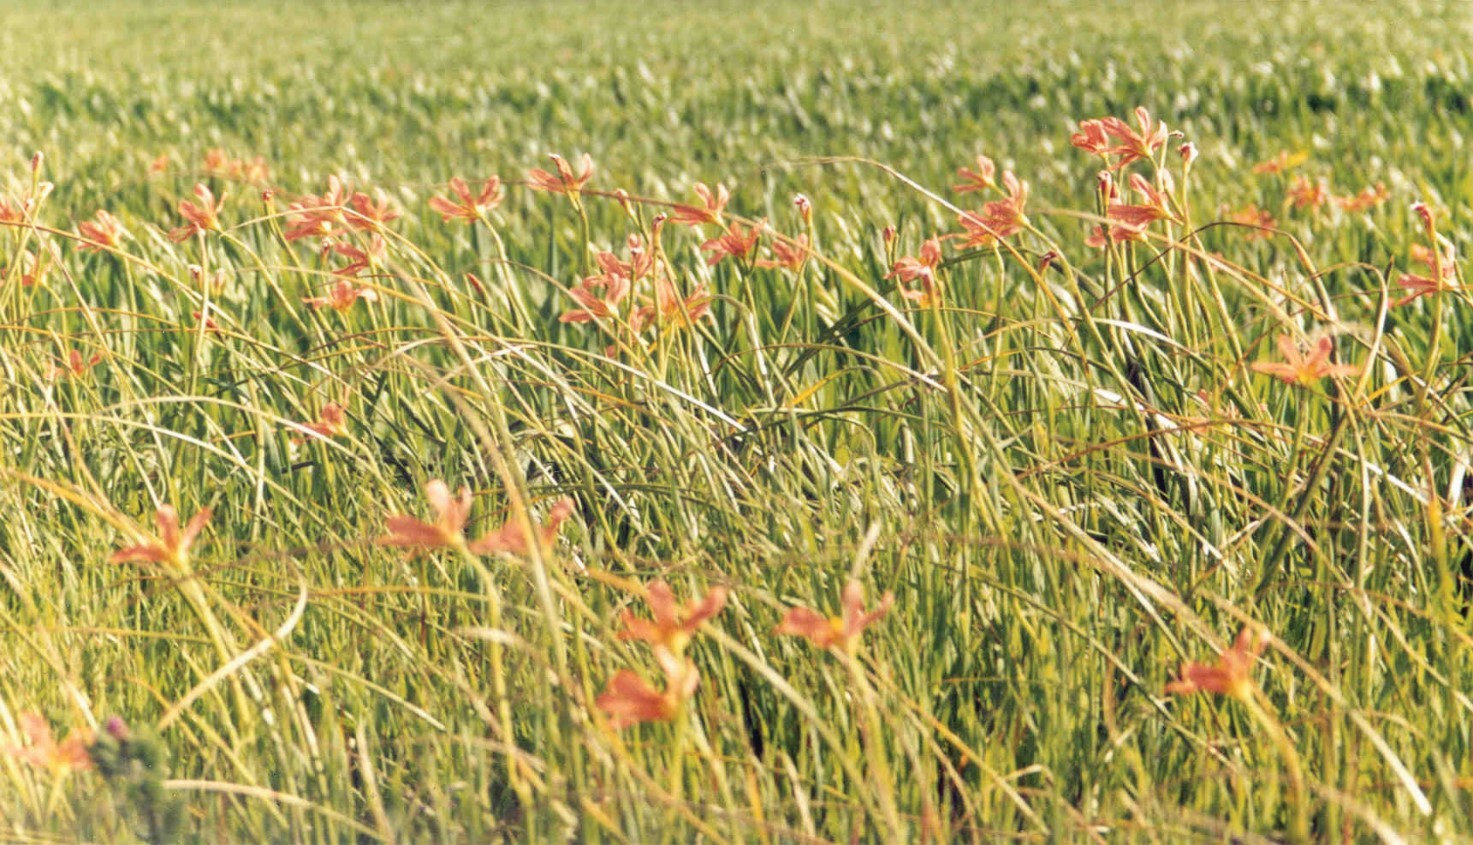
x=920 y=268
x=784 y=255
x=1091 y=137
x=673 y=625
x=371 y=212
x=313 y=216
x=836 y=632
x=1157 y=205
x=103 y=232
x=629 y=699
x=341 y=296
x=448 y=529
x=470 y=207
x=159 y=164
x=206 y=322
x=997 y=219
x=44 y=752
x=1100 y=237
x=599 y=297
x=201 y=217
x=359 y=258
x=32 y=270
x=563 y=182
x=1230 y=675
x=981 y=179
x=1256 y=218
x=1303 y=370
x=171 y=546
x=332 y=422
x=709 y=211
x=1367 y=199
x=1306 y=194
x=511 y=539
x=670 y=309
x=1281 y=163
x=1111 y=136
x=736 y=242
x=1420 y=286
x=75 y=365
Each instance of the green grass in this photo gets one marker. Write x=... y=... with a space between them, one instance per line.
x=1071 y=479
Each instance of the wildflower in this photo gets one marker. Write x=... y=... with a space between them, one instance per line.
x=341 y=296
x=997 y=219
x=600 y=294
x=736 y=242
x=104 y=231
x=170 y=547
x=201 y=217
x=1281 y=163
x=448 y=529
x=159 y=164
x=920 y=268
x=981 y=179
x=709 y=211
x=216 y=162
x=805 y=208
x=1091 y=137
x=670 y=309
x=331 y=422
x=206 y=322
x=1420 y=286
x=563 y=182
x=1259 y=220
x=629 y=699
x=1306 y=194
x=313 y=216
x=1101 y=237
x=1424 y=211
x=371 y=212
x=836 y=632
x=511 y=538
x=673 y=625
x=1367 y=199
x=31 y=269
x=1157 y=205
x=44 y=752
x=1188 y=153
x=791 y=256
x=470 y=207
x=1297 y=368
x=75 y=365
x=1132 y=144
x=1229 y=676
x=359 y=258
x=599 y=298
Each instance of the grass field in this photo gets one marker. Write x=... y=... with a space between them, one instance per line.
x=957 y=519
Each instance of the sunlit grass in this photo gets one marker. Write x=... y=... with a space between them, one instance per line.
x=808 y=529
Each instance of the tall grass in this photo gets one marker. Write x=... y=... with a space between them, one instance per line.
x=1063 y=465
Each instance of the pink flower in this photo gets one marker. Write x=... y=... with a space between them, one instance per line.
x=1304 y=370
x=629 y=700
x=709 y=211
x=563 y=182
x=171 y=545
x=467 y=206
x=736 y=242
x=511 y=538
x=103 y=232
x=673 y=624
x=998 y=219
x=1230 y=675
x=981 y=179
x=201 y=217
x=836 y=632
